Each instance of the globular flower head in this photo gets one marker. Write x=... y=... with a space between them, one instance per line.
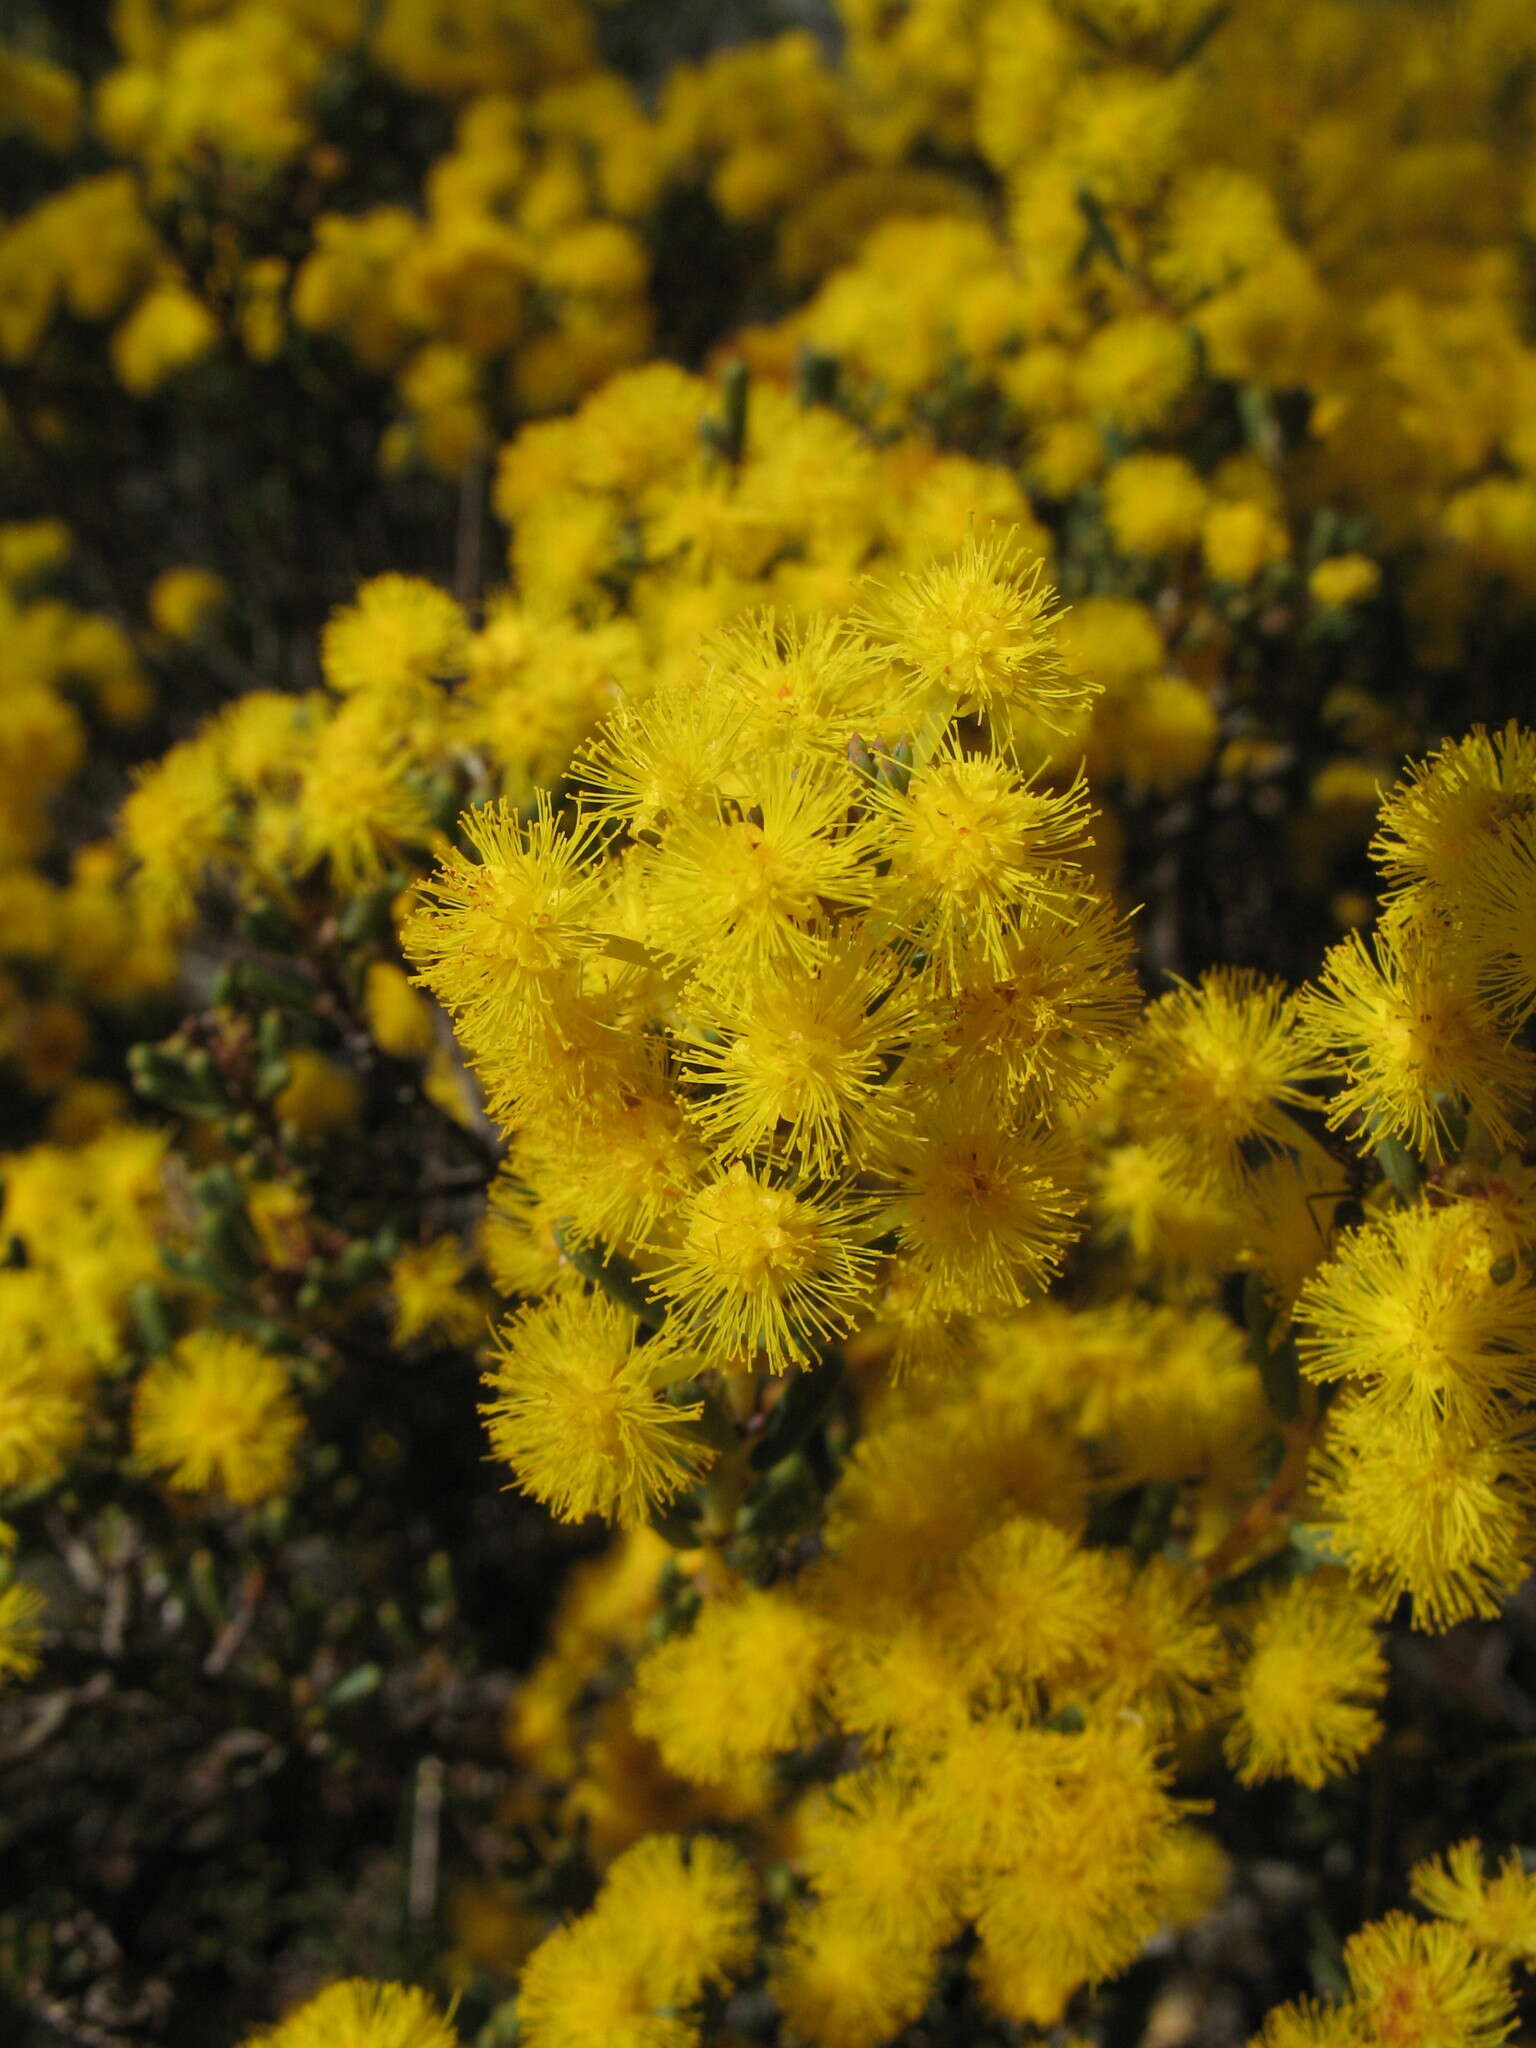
x=1423 y=1306
x=1442 y=1515
x=20 y=1610
x=758 y=1266
x=578 y=1410
x=978 y=634
x=739 y=1688
x=1448 y=805
x=1401 y=1020
x=218 y=1416
x=1214 y=1068
x=356 y=2013
x=493 y=932
x=1304 y=1697
x=970 y=844
x=1498 y=1911
x=400 y=634
x=1427 y=1982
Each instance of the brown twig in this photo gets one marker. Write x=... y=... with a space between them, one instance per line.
x=1259 y=1518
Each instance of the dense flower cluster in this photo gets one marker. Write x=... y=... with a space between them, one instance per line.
x=786 y=786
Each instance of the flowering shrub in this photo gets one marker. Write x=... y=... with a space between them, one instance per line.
x=767 y=968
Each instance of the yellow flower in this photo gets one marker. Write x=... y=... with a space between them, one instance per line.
x=1399 y=1018
x=399 y=1018
x=1305 y=1692
x=167 y=331
x=427 y=1283
x=218 y=1416
x=20 y=1609
x=843 y=1983
x=321 y=1096
x=761 y=1267
x=979 y=634
x=1214 y=1069
x=183 y=601
x=794 y=1067
x=1343 y=580
x=579 y=1411
x=970 y=844
x=1166 y=732
x=358 y=2014
x=1153 y=504
x=746 y=894
x=1241 y=539
x=1134 y=372
x=1499 y=1912
x=739 y=1688
x=1441 y=1515
x=1414 y=1306
x=400 y=634
x=491 y=934
x=1447 y=806
x=1426 y=1983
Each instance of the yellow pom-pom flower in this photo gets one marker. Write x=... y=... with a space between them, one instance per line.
x=1340 y=581
x=579 y=1411
x=1499 y=1912
x=1153 y=504
x=1426 y=1982
x=21 y=1608
x=359 y=2014
x=760 y=1267
x=978 y=634
x=400 y=634
x=736 y=1690
x=1305 y=1693
x=1214 y=1069
x=218 y=1416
